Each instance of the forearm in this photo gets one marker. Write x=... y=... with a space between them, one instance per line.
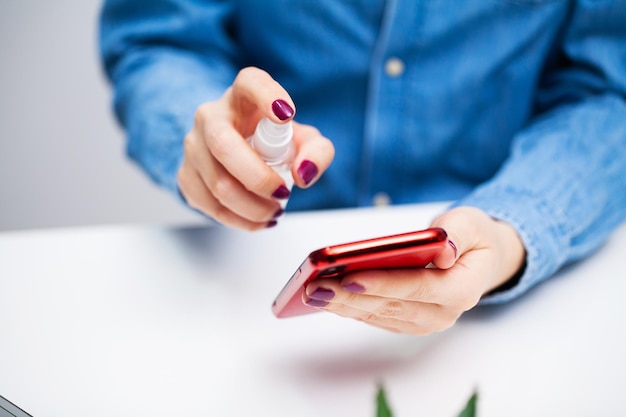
x=564 y=187
x=164 y=58
x=155 y=100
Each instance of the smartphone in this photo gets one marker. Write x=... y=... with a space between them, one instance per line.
x=406 y=250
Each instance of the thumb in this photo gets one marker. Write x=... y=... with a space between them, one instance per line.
x=459 y=223
x=447 y=257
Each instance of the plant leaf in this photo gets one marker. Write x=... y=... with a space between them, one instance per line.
x=382 y=407
x=470 y=407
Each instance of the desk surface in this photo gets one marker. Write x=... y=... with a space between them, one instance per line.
x=161 y=321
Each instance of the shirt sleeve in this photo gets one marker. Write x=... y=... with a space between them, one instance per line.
x=564 y=185
x=164 y=58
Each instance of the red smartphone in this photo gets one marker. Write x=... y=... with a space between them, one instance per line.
x=406 y=250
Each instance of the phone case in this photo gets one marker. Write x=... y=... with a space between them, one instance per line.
x=406 y=250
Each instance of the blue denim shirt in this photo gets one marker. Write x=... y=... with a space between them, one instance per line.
x=515 y=107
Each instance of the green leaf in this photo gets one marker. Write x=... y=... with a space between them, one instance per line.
x=470 y=407
x=382 y=408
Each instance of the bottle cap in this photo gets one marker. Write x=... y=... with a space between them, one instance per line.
x=272 y=140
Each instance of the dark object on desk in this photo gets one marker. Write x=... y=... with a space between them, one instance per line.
x=8 y=409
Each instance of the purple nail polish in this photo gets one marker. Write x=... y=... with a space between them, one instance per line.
x=354 y=287
x=282 y=110
x=317 y=303
x=322 y=294
x=456 y=252
x=307 y=171
x=271 y=223
x=278 y=213
x=281 y=193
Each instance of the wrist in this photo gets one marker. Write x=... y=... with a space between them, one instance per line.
x=512 y=259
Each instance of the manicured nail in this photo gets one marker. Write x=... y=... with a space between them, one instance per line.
x=281 y=193
x=322 y=294
x=354 y=287
x=271 y=223
x=456 y=252
x=282 y=110
x=278 y=213
x=307 y=171
x=317 y=303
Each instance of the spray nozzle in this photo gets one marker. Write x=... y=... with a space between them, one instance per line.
x=272 y=140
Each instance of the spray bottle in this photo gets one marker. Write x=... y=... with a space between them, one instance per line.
x=272 y=141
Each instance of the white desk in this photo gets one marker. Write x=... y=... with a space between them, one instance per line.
x=163 y=321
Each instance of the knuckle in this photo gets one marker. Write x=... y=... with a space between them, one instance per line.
x=184 y=187
x=221 y=188
x=201 y=114
x=193 y=202
x=181 y=177
x=219 y=213
x=420 y=292
x=390 y=309
x=368 y=317
x=247 y=73
x=263 y=182
x=218 y=140
x=188 y=145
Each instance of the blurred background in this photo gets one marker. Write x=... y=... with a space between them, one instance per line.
x=62 y=154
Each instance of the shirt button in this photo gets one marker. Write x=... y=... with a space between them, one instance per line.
x=381 y=199
x=394 y=67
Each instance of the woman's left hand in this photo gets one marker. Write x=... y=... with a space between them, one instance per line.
x=483 y=254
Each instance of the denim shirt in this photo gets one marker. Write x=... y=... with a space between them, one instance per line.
x=515 y=107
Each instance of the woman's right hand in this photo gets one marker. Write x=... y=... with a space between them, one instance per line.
x=223 y=177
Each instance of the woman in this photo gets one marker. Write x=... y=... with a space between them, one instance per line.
x=515 y=110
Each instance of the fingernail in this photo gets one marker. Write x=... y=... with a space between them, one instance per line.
x=317 y=303
x=282 y=110
x=322 y=294
x=354 y=287
x=307 y=171
x=281 y=193
x=278 y=213
x=271 y=223
x=456 y=252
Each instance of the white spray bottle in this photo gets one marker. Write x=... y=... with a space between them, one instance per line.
x=273 y=142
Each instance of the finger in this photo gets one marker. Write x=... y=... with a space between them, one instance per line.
x=453 y=287
x=231 y=193
x=463 y=235
x=198 y=196
x=231 y=150
x=386 y=323
x=314 y=156
x=257 y=88
x=223 y=186
x=428 y=321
